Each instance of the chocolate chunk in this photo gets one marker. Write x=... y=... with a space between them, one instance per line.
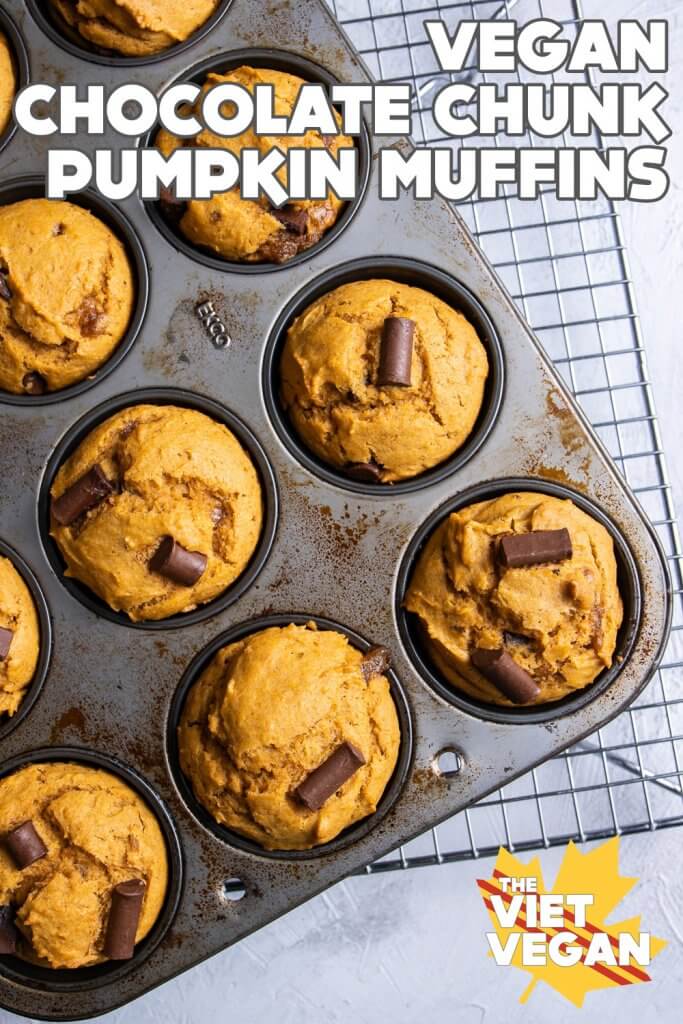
x=396 y=352
x=375 y=661
x=366 y=472
x=124 y=915
x=293 y=220
x=515 y=550
x=92 y=488
x=91 y=320
x=9 y=935
x=24 y=845
x=328 y=140
x=5 y=292
x=282 y=246
x=177 y=563
x=171 y=207
x=329 y=776
x=34 y=383
x=509 y=677
x=6 y=636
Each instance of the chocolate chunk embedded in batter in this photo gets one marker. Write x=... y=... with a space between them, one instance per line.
x=92 y=488
x=375 y=661
x=504 y=672
x=25 y=845
x=292 y=219
x=178 y=564
x=124 y=915
x=365 y=472
x=171 y=207
x=91 y=320
x=330 y=775
x=34 y=383
x=521 y=549
x=6 y=637
x=396 y=352
x=5 y=291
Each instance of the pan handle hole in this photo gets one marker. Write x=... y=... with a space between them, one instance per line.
x=233 y=890
x=448 y=763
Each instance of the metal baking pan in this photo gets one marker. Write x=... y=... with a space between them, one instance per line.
x=332 y=549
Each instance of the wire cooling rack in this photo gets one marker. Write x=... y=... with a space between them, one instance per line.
x=566 y=266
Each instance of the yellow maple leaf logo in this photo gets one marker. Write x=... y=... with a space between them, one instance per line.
x=593 y=874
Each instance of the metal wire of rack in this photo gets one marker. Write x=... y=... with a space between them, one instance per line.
x=566 y=265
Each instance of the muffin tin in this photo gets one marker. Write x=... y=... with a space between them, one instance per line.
x=340 y=551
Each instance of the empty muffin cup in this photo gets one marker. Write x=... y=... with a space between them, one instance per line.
x=518 y=601
x=158 y=508
x=327 y=785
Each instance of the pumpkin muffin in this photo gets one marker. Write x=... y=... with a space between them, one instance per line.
x=71 y=836
x=518 y=599
x=135 y=28
x=382 y=380
x=157 y=511
x=289 y=736
x=66 y=295
x=19 y=638
x=245 y=230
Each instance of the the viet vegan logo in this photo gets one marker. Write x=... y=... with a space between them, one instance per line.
x=559 y=935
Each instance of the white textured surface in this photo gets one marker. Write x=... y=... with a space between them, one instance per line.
x=410 y=946
x=654 y=239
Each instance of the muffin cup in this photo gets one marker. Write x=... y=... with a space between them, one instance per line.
x=45 y=631
x=405 y=271
x=412 y=631
x=185 y=399
x=33 y=187
x=279 y=60
x=54 y=26
x=351 y=834
x=81 y=979
x=21 y=66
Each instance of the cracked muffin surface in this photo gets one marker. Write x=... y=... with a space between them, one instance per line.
x=265 y=713
x=8 y=82
x=66 y=295
x=98 y=832
x=173 y=472
x=245 y=230
x=329 y=380
x=18 y=616
x=135 y=28
x=558 y=621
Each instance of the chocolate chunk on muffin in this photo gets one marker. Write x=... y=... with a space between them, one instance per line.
x=8 y=82
x=71 y=836
x=135 y=28
x=157 y=511
x=382 y=380
x=518 y=599
x=19 y=638
x=289 y=736
x=244 y=230
x=66 y=295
